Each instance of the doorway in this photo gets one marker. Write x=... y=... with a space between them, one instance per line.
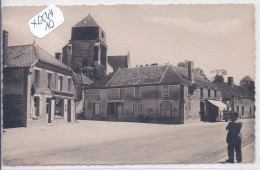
x=202 y=111
x=37 y=106
x=114 y=110
x=48 y=109
x=69 y=110
x=166 y=109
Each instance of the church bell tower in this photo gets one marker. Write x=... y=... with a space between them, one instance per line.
x=87 y=45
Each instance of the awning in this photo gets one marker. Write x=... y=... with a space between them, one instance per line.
x=219 y=104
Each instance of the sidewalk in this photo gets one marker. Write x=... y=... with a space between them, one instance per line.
x=248 y=155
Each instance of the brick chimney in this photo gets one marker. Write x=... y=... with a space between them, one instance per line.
x=58 y=56
x=5 y=45
x=230 y=81
x=190 y=71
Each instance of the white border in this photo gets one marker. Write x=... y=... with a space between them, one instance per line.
x=179 y=166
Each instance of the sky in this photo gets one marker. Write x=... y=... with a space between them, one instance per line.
x=212 y=36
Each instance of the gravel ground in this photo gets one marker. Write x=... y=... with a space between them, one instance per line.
x=103 y=142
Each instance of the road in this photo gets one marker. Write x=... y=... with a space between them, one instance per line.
x=101 y=142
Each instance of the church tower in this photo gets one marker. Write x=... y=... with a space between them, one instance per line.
x=86 y=47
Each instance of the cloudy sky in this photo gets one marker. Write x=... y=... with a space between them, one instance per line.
x=213 y=36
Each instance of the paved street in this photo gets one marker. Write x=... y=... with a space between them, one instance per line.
x=101 y=142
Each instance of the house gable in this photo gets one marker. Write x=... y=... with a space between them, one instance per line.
x=170 y=77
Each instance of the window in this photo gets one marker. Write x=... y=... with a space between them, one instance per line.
x=209 y=93
x=37 y=78
x=122 y=93
x=242 y=108
x=165 y=91
x=60 y=83
x=69 y=84
x=201 y=92
x=49 y=80
x=137 y=107
x=238 y=108
x=47 y=106
x=59 y=109
x=250 y=110
x=215 y=93
x=137 y=92
x=96 y=109
x=166 y=109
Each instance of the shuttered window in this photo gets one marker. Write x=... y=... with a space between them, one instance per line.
x=165 y=91
x=137 y=92
x=122 y=93
x=96 y=108
x=137 y=107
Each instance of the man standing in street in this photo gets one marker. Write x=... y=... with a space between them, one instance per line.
x=234 y=137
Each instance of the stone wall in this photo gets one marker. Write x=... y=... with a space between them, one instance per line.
x=151 y=97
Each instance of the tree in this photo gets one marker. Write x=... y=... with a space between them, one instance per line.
x=197 y=70
x=94 y=73
x=219 y=75
x=248 y=83
x=218 y=79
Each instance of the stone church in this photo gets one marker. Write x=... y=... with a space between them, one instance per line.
x=88 y=46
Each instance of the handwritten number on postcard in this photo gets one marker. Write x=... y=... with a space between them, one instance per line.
x=46 y=21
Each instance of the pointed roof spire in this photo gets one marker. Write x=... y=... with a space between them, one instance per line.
x=87 y=22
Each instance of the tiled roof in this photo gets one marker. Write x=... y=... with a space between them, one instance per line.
x=20 y=56
x=26 y=55
x=103 y=82
x=46 y=57
x=87 y=22
x=85 y=79
x=138 y=76
x=151 y=75
x=229 y=91
x=119 y=61
x=198 y=79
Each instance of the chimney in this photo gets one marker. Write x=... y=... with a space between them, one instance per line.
x=58 y=56
x=154 y=64
x=230 y=81
x=190 y=71
x=5 y=45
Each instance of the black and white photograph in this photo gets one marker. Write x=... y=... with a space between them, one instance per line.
x=128 y=84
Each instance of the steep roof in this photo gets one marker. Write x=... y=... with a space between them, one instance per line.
x=138 y=76
x=197 y=79
x=118 y=61
x=229 y=91
x=151 y=75
x=87 y=22
x=26 y=55
x=82 y=79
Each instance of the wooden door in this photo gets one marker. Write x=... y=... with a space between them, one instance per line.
x=119 y=111
x=69 y=110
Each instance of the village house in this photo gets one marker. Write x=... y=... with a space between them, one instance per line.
x=237 y=98
x=164 y=93
x=38 y=89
